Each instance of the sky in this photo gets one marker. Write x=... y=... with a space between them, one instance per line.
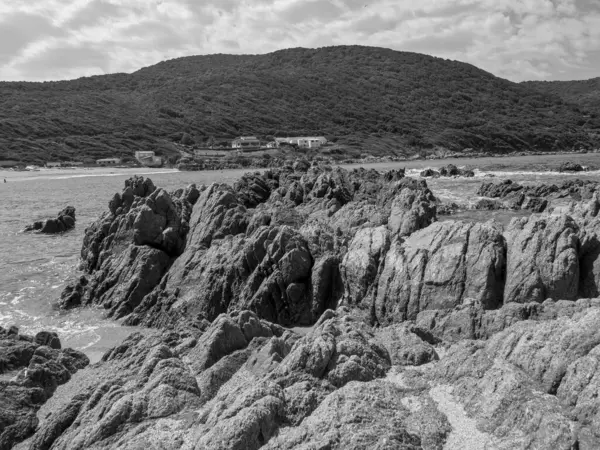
x=515 y=39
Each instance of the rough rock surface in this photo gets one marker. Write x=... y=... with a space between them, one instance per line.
x=275 y=243
x=570 y=167
x=405 y=332
x=536 y=198
x=126 y=252
x=31 y=369
x=64 y=221
x=542 y=259
x=438 y=268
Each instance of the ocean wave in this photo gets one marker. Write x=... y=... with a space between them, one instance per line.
x=91 y=175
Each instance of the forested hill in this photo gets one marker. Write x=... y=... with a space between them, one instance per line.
x=584 y=93
x=381 y=100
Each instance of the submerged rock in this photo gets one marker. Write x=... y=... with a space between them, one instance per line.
x=570 y=167
x=64 y=221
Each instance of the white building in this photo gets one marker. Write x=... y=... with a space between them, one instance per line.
x=144 y=154
x=245 y=142
x=303 y=141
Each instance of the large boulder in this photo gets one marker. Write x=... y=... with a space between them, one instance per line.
x=440 y=267
x=542 y=259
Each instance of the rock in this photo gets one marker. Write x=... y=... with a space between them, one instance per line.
x=452 y=171
x=440 y=267
x=252 y=189
x=429 y=173
x=406 y=346
x=121 y=283
x=472 y=321
x=498 y=190
x=340 y=349
x=237 y=273
x=376 y=406
x=542 y=259
x=535 y=204
x=47 y=338
x=447 y=209
x=524 y=385
x=411 y=210
x=41 y=367
x=489 y=205
x=126 y=253
x=570 y=167
x=360 y=265
x=449 y=171
x=301 y=165
x=63 y=222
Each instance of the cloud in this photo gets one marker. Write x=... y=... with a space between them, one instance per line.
x=516 y=39
x=19 y=29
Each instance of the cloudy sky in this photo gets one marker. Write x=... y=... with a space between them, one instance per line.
x=515 y=39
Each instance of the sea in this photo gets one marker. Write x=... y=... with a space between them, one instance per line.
x=34 y=268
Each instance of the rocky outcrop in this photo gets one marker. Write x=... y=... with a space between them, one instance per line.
x=532 y=384
x=126 y=252
x=538 y=197
x=31 y=369
x=64 y=221
x=233 y=385
x=275 y=243
x=404 y=332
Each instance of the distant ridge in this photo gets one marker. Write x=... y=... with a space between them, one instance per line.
x=584 y=93
x=381 y=100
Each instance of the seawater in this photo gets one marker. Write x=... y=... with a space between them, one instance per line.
x=34 y=268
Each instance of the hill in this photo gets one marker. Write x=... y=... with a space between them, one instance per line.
x=584 y=93
x=380 y=100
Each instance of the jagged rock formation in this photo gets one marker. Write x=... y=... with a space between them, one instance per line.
x=245 y=383
x=410 y=333
x=64 y=221
x=275 y=243
x=127 y=251
x=31 y=369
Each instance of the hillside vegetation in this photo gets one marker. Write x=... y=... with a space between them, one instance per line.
x=584 y=93
x=383 y=101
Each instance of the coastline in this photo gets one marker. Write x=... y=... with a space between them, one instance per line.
x=284 y=292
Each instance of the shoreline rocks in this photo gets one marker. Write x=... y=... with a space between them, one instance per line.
x=316 y=306
x=31 y=369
